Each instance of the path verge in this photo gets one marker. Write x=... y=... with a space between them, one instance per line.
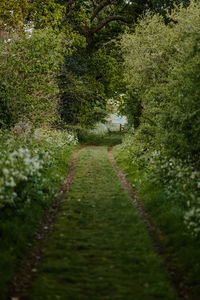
x=29 y=264
x=177 y=275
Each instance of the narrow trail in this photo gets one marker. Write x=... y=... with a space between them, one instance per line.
x=99 y=247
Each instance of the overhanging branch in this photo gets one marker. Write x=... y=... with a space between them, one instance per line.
x=69 y=3
x=108 y=20
x=99 y=8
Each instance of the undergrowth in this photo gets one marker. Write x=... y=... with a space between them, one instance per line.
x=33 y=167
x=168 y=190
x=101 y=134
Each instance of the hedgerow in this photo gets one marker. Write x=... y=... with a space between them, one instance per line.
x=32 y=169
x=162 y=73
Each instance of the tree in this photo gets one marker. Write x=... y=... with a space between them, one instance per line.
x=89 y=27
x=46 y=13
x=28 y=89
x=162 y=70
x=86 y=81
x=101 y=20
x=98 y=21
x=12 y=16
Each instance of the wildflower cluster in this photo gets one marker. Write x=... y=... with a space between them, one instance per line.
x=179 y=179
x=181 y=183
x=55 y=138
x=17 y=167
x=24 y=166
x=100 y=129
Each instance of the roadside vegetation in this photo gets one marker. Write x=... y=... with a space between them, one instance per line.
x=65 y=66
x=163 y=76
x=161 y=153
x=166 y=211
x=32 y=169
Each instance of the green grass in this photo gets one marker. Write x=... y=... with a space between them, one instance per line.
x=168 y=216
x=100 y=248
x=106 y=139
x=18 y=224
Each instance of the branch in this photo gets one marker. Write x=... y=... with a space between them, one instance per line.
x=69 y=3
x=108 y=20
x=94 y=6
x=97 y=10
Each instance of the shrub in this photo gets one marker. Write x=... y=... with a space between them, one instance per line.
x=23 y=165
x=28 y=88
x=162 y=74
x=178 y=179
x=162 y=71
x=33 y=166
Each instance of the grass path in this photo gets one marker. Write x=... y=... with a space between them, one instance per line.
x=99 y=249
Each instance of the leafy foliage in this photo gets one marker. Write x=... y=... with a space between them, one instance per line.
x=85 y=83
x=169 y=191
x=13 y=14
x=46 y=13
x=33 y=166
x=24 y=162
x=28 y=88
x=162 y=71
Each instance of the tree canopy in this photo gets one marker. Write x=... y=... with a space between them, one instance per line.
x=92 y=70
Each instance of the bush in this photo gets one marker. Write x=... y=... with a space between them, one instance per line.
x=178 y=180
x=162 y=72
x=28 y=89
x=169 y=189
x=32 y=169
x=23 y=164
